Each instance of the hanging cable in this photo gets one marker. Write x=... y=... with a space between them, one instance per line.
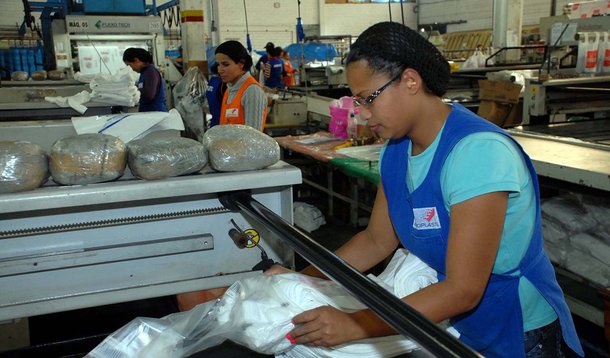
x=212 y=17
x=402 y=13
x=248 y=42
x=390 y=10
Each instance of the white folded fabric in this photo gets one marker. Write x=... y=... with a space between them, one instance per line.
x=76 y=101
x=256 y=312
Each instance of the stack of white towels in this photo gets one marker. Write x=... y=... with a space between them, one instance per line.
x=118 y=89
x=256 y=312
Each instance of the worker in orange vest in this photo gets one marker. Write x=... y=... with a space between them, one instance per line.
x=290 y=71
x=244 y=101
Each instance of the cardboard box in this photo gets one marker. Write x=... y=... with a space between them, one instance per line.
x=499 y=102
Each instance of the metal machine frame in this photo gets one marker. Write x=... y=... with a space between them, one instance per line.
x=104 y=28
x=64 y=248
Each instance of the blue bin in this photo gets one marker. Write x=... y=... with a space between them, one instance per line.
x=23 y=55
x=39 y=59
x=3 y=63
x=16 y=59
x=31 y=60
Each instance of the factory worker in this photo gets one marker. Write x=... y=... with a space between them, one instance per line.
x=274 y=78
x=262 y=66
x=459 y=193
x=244 y=101
x=290 y=71
x=150 y=83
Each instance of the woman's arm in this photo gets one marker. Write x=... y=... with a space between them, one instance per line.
x=152 y=81
x=254 y=102
x=474 y=239
x=370 y=246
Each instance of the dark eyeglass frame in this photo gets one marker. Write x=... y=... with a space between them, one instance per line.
x=370 y=98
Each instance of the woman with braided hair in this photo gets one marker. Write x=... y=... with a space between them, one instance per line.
x=459 y=193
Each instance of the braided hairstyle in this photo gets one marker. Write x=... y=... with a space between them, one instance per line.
x=390 y=47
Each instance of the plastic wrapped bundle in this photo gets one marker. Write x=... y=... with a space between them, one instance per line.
x=159 y=158
x=56 y=75
x=39 y=75
x=189 y=96
x=235 y=147
x=87 y=159
x=19 y=76
x=23 y=166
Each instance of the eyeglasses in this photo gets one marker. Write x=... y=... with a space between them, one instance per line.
x=359 y=101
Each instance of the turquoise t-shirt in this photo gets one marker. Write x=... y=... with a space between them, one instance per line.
x=482 y=163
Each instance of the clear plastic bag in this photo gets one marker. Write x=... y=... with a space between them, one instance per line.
x=158 y=158
x=477 y=60
x=256 y=312
x=23 y=166
x=236 y=147
x=189 y=99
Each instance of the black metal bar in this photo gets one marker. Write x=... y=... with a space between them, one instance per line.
x=528 y=47
x=391 y=309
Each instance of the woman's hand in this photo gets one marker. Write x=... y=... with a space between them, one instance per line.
x=325 y=326
x=276 y=270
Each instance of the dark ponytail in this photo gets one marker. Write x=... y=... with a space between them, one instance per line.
x=141 y=54
x=389 y=48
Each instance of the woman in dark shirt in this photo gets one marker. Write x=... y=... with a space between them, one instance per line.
x=150 y=83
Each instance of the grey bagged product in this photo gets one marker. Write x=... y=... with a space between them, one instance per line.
x=56 y=75
x=39 y=75
x=159 y=158
x=20 y=76
x=235 y=147
x=87 y=159
x=189 y=97
x=23 y=166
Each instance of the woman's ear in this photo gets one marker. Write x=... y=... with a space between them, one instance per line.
x=412 y=79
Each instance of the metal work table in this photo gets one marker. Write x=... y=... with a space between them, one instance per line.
x=570 y=160
x=47 y=110
x=70 y=247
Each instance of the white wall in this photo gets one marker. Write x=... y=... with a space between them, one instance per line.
x=352 y=19
x=12 y=12
x=268 y=22
x=478 y=13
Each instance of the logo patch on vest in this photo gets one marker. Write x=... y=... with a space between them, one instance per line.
x=232 y=112
x=426 y=219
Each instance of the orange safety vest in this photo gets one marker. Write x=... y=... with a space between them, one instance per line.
x=233 y=113
x=289 y=78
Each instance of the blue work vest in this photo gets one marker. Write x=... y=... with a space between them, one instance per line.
x=213 y=103
x=157 y=103
x=495 y=327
